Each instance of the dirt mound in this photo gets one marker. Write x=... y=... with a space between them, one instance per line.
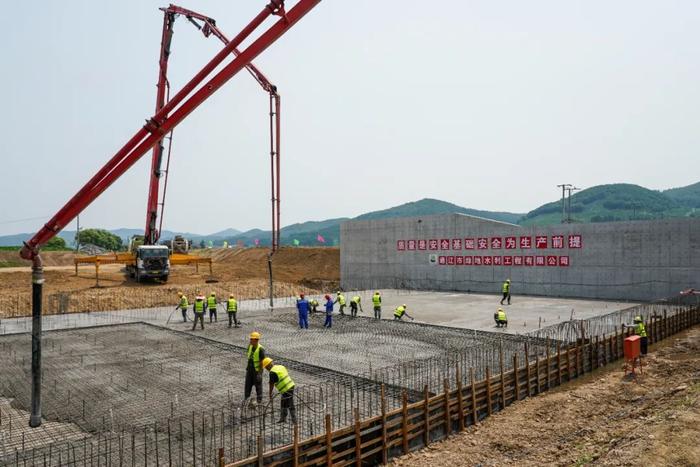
x=50 y=258
x=604 y=419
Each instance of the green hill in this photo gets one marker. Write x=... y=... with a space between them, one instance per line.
x=688 y=196
x=306 y=233
x=429 y=206
x=616 y=202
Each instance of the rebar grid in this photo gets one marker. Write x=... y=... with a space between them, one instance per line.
x=158 y=395
x=138 y=378
x=609 y=323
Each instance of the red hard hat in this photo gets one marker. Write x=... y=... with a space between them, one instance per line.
x=328 y=297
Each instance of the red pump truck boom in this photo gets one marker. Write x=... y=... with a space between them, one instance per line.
x=151 y=134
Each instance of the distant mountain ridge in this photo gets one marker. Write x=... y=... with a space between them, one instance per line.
x=621 y=202
x=601 y=203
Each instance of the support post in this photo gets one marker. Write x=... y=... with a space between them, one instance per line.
x=329 y=441
x=527 y=371
x=269 y=269
x=475 y=412
x=460 y=400
x=448 y=418
x=37 y=292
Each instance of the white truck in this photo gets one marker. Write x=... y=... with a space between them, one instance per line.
x=151 y=262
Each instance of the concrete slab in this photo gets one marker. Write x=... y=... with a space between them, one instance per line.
x=475 y=311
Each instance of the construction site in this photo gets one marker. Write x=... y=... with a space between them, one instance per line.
x=105 y=363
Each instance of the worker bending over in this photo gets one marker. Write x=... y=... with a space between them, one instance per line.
x=254 y=366
x=280 y=379
x=211 y=303
x=354 y=303
x=501 y=318
x=183 y=305
x=506 y=291
x=377 y=302
x=400 y=312
x=329 y=312
x=232 y=310
x=340 y=300
x=199 y=308
x=303 y=309
x=641 y=331
x=313 y=303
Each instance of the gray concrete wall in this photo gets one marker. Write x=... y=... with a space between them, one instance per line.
x=640 y=260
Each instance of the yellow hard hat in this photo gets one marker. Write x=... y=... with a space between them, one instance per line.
x=255 y=335
x=500 y=309
x=230 y=296
x=266 y=361
x=213 y=294
x=179 y=294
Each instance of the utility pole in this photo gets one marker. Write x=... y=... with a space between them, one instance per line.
x=564 y=186
x=77 y=235
x=569 y=190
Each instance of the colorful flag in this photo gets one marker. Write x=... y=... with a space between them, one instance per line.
x=320 y=238
x=257 y=242
x=296 y=242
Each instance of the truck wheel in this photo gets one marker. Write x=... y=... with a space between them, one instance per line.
x=164 y=278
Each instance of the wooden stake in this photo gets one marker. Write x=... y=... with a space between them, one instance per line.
x=329 y=441
x=475 y=412
x=516 y=377
x=385 y=456
x=488 y=390
x=460 y=401
x=549 y=367
x=295 y=446
x=426 y=414
x=404 y=422
x=448 y=419
x=358 y=439
x=527 y=370
x=559 y=363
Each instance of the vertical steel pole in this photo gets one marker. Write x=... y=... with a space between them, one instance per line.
x=37 y=289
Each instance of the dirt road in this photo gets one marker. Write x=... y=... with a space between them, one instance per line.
x=601 y=420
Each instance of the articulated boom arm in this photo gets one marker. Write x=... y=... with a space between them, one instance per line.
x=208 y=27
x=173 y=113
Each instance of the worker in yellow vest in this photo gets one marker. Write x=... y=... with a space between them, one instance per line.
x=313 y=304
x=377 y=302
x=280 y=379
x=199 y=307
x=501 y=318
x=641 y=331
x=183 y=305
x=354 y=303
x=211 y=304
x=400 y=311
x=340 y=300
x=253 y=372
x=232 y=311
x=506 y=291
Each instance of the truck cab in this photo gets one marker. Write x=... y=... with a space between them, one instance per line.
x=151 y=262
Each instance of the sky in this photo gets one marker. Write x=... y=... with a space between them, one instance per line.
x=488 y=105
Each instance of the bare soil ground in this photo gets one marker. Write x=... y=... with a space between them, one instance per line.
x=314 y=269
x=603 y=419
